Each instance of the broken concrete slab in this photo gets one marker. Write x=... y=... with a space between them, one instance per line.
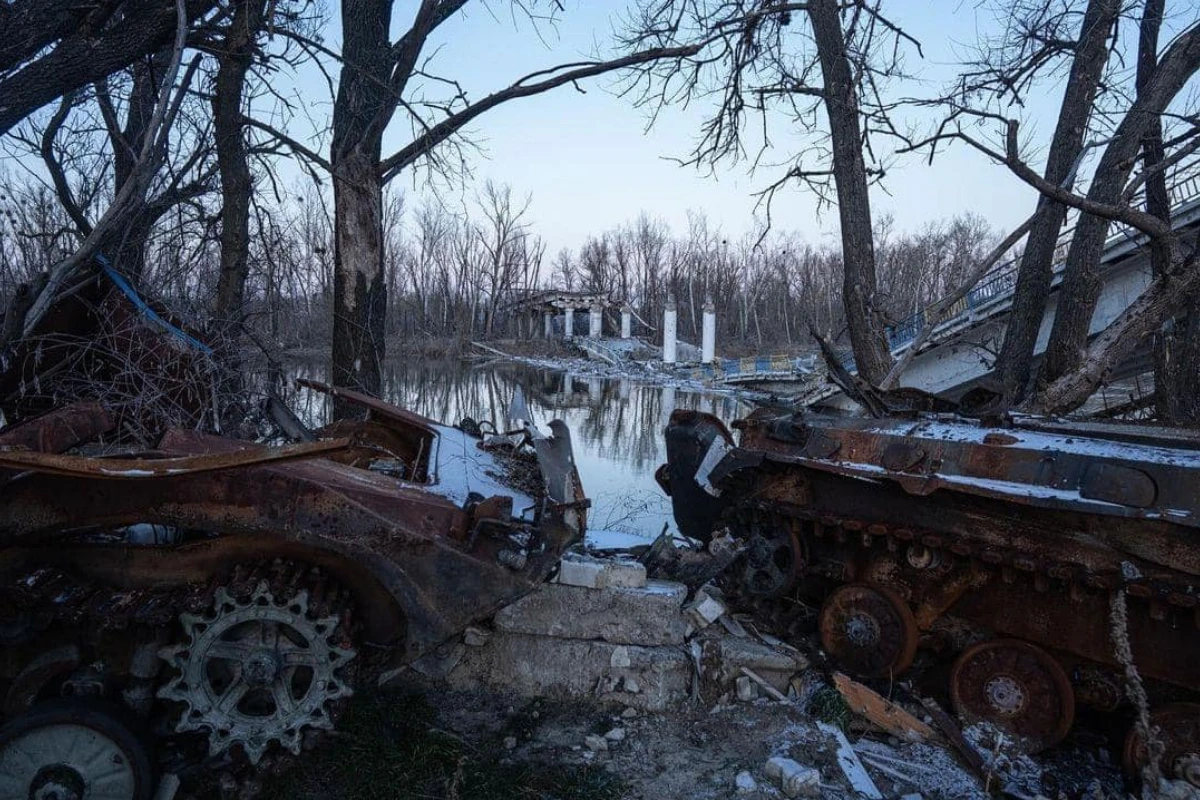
x=544 y=666
x=599 y=573
x=724 y=657
x=647 y=616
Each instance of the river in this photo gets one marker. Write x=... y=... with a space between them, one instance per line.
x=616 y=423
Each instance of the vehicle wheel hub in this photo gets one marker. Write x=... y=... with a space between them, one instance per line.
x=61 y=758
x=869 y=630
x=58 y=782
x=862 y=630
x=1005 y=695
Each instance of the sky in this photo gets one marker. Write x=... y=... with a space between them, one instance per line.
x=589 y=162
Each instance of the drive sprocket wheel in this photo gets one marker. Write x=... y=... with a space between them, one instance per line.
x=257 y=671
x=869 y=630
x=1178 y=727
x=1016 y=686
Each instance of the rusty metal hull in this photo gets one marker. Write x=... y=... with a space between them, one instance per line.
x=1028 y=532
x=426 y=566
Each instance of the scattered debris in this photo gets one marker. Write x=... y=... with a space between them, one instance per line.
x=884 y=713
x=851 y=766
x=706 y=608
x=745 y=783
x=794 y=779
x=764 y=685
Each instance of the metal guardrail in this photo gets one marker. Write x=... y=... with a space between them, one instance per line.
x=1001 y=282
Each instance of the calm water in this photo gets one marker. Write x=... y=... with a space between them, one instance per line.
x=616 y=424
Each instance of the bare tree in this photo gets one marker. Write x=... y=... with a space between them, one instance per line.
x=379 y=76
x=826 y=81
x=236 y=49
x=1078 y=360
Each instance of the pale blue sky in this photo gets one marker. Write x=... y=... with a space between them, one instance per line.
x=589 y=163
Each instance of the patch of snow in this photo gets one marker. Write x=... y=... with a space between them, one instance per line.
x=599 y=540
x=461 y=468
x=1050 y=442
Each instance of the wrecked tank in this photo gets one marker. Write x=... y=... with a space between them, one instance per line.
x=202 y=609
x=1042 y=560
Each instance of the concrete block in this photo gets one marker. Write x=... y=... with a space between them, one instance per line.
x=544 y=666
x=745 y=783
x=476 y=637
x=723 y=658
x=645 y=616
x=598 y=573
x=795 y=779
x=585 y=572
x=705 y=609
x=597 y=744
x=626 y=574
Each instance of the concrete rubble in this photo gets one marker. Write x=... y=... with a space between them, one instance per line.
x=602 y=629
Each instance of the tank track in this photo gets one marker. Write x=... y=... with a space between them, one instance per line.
x=1011 y=563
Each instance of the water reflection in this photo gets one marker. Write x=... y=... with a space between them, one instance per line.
x=616 y=424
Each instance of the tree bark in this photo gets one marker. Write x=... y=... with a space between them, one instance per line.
x=1082 y=279
x=1160 y=300
x=236 y=183
x=86 y=54
x=361 y=112
x=1014 y=364
x=864 y=321
x=1177 y=344
x=124 y=244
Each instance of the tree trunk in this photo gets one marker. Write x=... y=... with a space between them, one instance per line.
x=1177 y=345
x=871 y=352
x=231 y=158
x=359 y=294
x=1082 y=279
x=1014 y=364
x=363 y=108
x=1160 y=300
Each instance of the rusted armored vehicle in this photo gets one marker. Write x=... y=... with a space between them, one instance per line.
x=208 y=605
x=173 y=601
x=1031 y=555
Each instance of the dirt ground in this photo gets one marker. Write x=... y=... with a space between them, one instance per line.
x=417 y=742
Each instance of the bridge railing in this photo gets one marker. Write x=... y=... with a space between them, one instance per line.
x=1001 y=281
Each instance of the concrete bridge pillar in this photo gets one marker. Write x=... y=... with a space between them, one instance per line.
x=596 y=322
x=708 y=341
x=547 y=324
x=569 y=323
x=626 y=321
x=669 y=319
